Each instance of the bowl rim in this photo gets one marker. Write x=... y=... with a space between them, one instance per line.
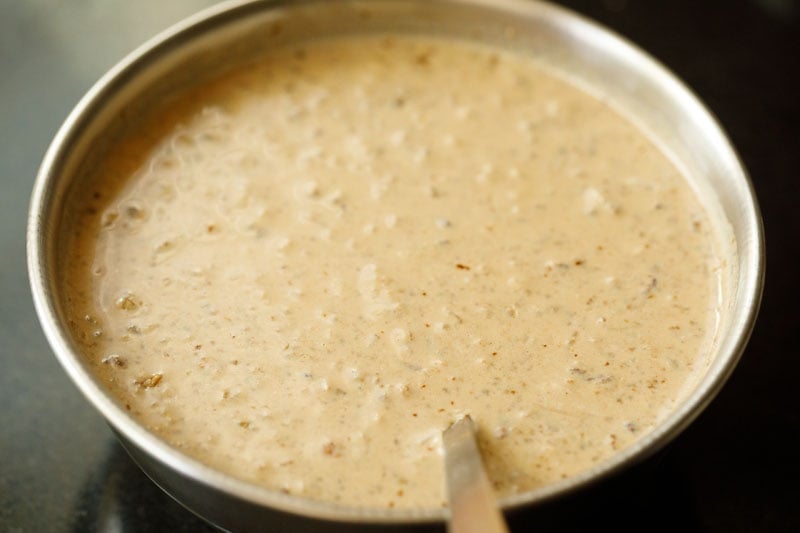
x=39 y=257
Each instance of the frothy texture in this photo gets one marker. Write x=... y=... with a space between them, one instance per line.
x=306 y=270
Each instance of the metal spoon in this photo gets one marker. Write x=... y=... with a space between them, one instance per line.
x=473 y=507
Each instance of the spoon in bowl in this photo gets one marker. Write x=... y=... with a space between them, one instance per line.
x=473 y=507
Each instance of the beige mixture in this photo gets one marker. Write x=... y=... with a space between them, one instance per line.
x=306 y=271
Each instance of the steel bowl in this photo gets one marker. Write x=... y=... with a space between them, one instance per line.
x=571 y=46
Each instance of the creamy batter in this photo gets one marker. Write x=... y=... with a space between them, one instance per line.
x=302 y=273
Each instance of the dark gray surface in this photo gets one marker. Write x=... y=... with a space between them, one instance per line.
x=736 y=468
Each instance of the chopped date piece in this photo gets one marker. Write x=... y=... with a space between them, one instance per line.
x=148 y=382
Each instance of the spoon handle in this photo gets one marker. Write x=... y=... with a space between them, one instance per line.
x=473 y=507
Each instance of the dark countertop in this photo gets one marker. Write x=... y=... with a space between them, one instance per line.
x=735 y=468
